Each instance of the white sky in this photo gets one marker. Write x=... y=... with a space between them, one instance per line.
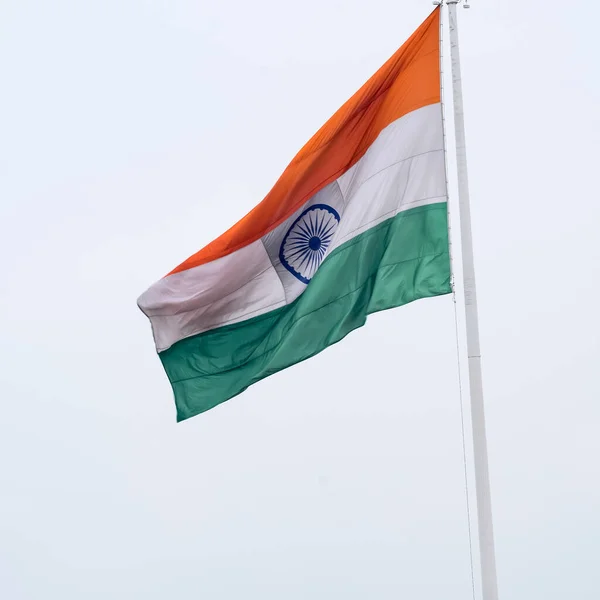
x=132 y=133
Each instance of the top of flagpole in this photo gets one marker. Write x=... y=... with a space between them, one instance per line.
x=440 y=2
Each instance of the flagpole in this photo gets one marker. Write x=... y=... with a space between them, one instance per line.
x=485 y=528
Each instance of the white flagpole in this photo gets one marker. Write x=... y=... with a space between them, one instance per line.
x=487 y=553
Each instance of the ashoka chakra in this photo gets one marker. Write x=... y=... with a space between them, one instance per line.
x=307 y=240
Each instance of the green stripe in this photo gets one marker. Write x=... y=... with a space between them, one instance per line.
x=400 y=260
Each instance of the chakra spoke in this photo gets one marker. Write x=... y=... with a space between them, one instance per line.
x=330 y=229
x=304 y=229
x=298 y=252
x=299 y=236
x=324 y=222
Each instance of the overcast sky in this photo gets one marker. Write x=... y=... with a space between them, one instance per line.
x=132 y=133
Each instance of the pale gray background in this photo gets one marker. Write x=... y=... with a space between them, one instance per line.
x=132 y=133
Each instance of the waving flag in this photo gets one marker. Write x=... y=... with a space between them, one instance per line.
x=357 y=223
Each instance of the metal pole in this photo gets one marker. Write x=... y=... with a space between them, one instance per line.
x=489 y=581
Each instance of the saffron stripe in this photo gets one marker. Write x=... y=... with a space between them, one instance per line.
x=409 y=80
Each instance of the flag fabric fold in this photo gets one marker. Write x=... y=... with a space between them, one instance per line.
x=357 y=223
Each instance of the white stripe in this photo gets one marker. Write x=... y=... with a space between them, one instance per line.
x=403 y=169
x=230 y=289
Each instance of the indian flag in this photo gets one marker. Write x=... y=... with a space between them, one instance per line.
x=357 y=223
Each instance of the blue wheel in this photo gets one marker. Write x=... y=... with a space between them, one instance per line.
x=306 y=242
